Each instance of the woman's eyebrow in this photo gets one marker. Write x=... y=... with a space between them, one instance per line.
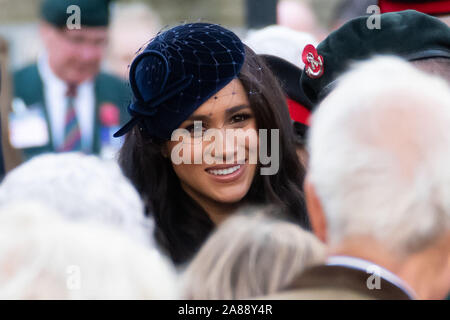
x=201 y=117
x=228 y=112
x=236 y=109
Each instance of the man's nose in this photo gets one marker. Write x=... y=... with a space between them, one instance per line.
x=90 y=52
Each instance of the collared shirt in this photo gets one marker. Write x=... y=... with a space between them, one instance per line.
x=369 y=267
x=56 y=104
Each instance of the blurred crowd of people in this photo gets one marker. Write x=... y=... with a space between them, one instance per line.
x=106 y=193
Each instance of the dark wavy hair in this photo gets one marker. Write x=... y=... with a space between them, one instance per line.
x=181 y=224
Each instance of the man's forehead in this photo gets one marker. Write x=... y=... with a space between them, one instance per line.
x=87 y=32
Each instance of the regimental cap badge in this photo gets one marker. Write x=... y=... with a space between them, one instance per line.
x=313 y=62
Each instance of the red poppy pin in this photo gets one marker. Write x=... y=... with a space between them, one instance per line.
x=109 y=115
x=313 y=62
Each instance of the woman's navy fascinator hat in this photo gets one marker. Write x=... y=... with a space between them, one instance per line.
x=178 y=71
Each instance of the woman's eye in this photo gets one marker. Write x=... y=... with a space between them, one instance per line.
x=240 y=117
x=195 y=129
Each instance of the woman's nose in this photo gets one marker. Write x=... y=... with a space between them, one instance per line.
x=224 y=148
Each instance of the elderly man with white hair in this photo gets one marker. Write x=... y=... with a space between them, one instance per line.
x=378 y=187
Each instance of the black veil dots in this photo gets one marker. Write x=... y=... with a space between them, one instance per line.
x=178 y=71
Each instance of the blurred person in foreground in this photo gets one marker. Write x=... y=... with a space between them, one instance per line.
x=421 y=39
x=64 y=102
x=80 y=188
x=132 y=26
x=378 y=188
x=251 y=255
x=43 y=256
x=438 y=8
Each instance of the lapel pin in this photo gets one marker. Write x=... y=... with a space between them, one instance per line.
x=313 y=62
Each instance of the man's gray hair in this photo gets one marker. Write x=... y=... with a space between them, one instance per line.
x=380 y=155
x=44 y=256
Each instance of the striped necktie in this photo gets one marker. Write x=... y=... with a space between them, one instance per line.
x=72 y=133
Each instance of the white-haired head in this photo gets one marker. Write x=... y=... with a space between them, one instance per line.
x=379 y=156
x=80 y=187
x=251 y=255
x=281 y=42
x=43 y=256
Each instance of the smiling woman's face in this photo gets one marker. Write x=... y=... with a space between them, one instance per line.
x=230 y=181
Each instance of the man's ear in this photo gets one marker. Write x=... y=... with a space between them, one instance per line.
x=45 y=31
x=315 y=211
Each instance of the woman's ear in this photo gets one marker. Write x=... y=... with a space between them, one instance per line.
x=165 y=151
x=315 y=211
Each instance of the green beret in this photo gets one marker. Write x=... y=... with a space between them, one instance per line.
x=94 y=13
x=409 y=34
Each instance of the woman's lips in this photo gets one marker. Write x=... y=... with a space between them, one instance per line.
x=226 y=173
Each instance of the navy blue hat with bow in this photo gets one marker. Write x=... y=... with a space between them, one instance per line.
x=178 y=71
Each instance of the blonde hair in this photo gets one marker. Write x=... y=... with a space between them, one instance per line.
x=250 y=256
x=44 y=256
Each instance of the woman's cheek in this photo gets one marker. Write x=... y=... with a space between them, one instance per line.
x=251 y=145
x=197 y=152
